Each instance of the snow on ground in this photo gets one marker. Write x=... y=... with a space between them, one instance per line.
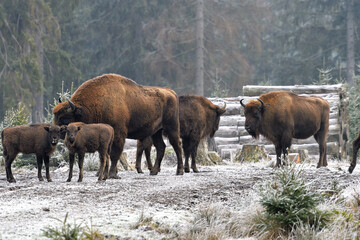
x=114 y=207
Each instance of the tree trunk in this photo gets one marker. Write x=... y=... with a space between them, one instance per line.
x=200 y=48
x=38 y=90
x=350 y=62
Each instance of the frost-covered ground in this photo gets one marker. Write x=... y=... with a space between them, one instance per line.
x=115 y=206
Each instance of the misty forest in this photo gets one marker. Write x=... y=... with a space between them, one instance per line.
x=211 y=48
x=228 y=52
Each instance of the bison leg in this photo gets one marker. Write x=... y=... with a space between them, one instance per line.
x=176 y=144
x=8 y=161
x=81 y=164
x=71 y=163
x=186 y=148
x=39 y=160
x=142 y=145
x=320 y=138
x=103 y=160
x=278 y=150
x=356 y=146
x=107 y=164
x=160 y=151
x=193 y=158
x=148 y=157
x=47 y=167
x=139 y=152
x=116 y=150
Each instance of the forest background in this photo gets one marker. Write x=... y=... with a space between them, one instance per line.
x=207 y=47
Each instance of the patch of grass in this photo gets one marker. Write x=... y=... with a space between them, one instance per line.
x=147 y=223
x=214 y=222
x=73 y=232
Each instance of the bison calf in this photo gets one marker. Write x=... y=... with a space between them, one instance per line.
x=199 y=118
x=81 y=138
x=40 y=139
x=281 y=116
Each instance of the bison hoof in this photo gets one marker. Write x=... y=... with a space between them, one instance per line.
x=139 y=170
x=115 y=177
x=12 y=180
x=79 y=180
x=68 y=180
x=153 y=173
x=49 y=180
x=187 y=170
x=195 y=170
x=180 y=172
x=351 y=169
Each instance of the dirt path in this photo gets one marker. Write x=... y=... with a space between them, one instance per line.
x=115 y=206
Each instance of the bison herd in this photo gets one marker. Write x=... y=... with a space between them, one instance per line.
x=106 y=110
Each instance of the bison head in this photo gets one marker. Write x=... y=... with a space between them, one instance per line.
x=219 y=111
x=66 y=112
x=253 y=116
x=53 y=133
x=71 y=132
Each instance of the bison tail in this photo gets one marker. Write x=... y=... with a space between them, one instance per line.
x=2 y=142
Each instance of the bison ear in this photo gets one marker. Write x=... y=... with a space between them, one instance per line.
x=47 y=128
x=220 y=111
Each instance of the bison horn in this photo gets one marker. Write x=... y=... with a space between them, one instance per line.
x=242 y=102
x=224 y=107
x=262 y=103
x=222 y=110
x=72 y=105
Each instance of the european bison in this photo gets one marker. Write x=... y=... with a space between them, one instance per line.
x=199 y=118
x=281 y=116
x=356 y=146
x=40 y=139
x=81 y=138
x=134 y=111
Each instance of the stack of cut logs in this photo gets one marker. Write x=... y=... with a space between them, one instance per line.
x=232 y=135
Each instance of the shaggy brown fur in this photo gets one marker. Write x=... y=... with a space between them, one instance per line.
x=40 y=139
x=134 y=111
x=199 y=118
x=284 y=115
x=81 y=138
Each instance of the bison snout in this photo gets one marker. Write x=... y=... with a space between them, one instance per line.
x=54 y=141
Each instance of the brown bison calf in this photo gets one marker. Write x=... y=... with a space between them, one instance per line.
x=199 y=118
x=81 y=138
x=40 y=139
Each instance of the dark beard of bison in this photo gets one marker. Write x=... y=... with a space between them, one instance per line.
x=254 y=133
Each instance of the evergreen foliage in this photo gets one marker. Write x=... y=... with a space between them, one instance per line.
x=288 y=203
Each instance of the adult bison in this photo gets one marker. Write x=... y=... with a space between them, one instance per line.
x=281 y=116
x=134 y=111
x=199 y=118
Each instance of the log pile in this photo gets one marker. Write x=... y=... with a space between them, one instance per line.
x=232 y=135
